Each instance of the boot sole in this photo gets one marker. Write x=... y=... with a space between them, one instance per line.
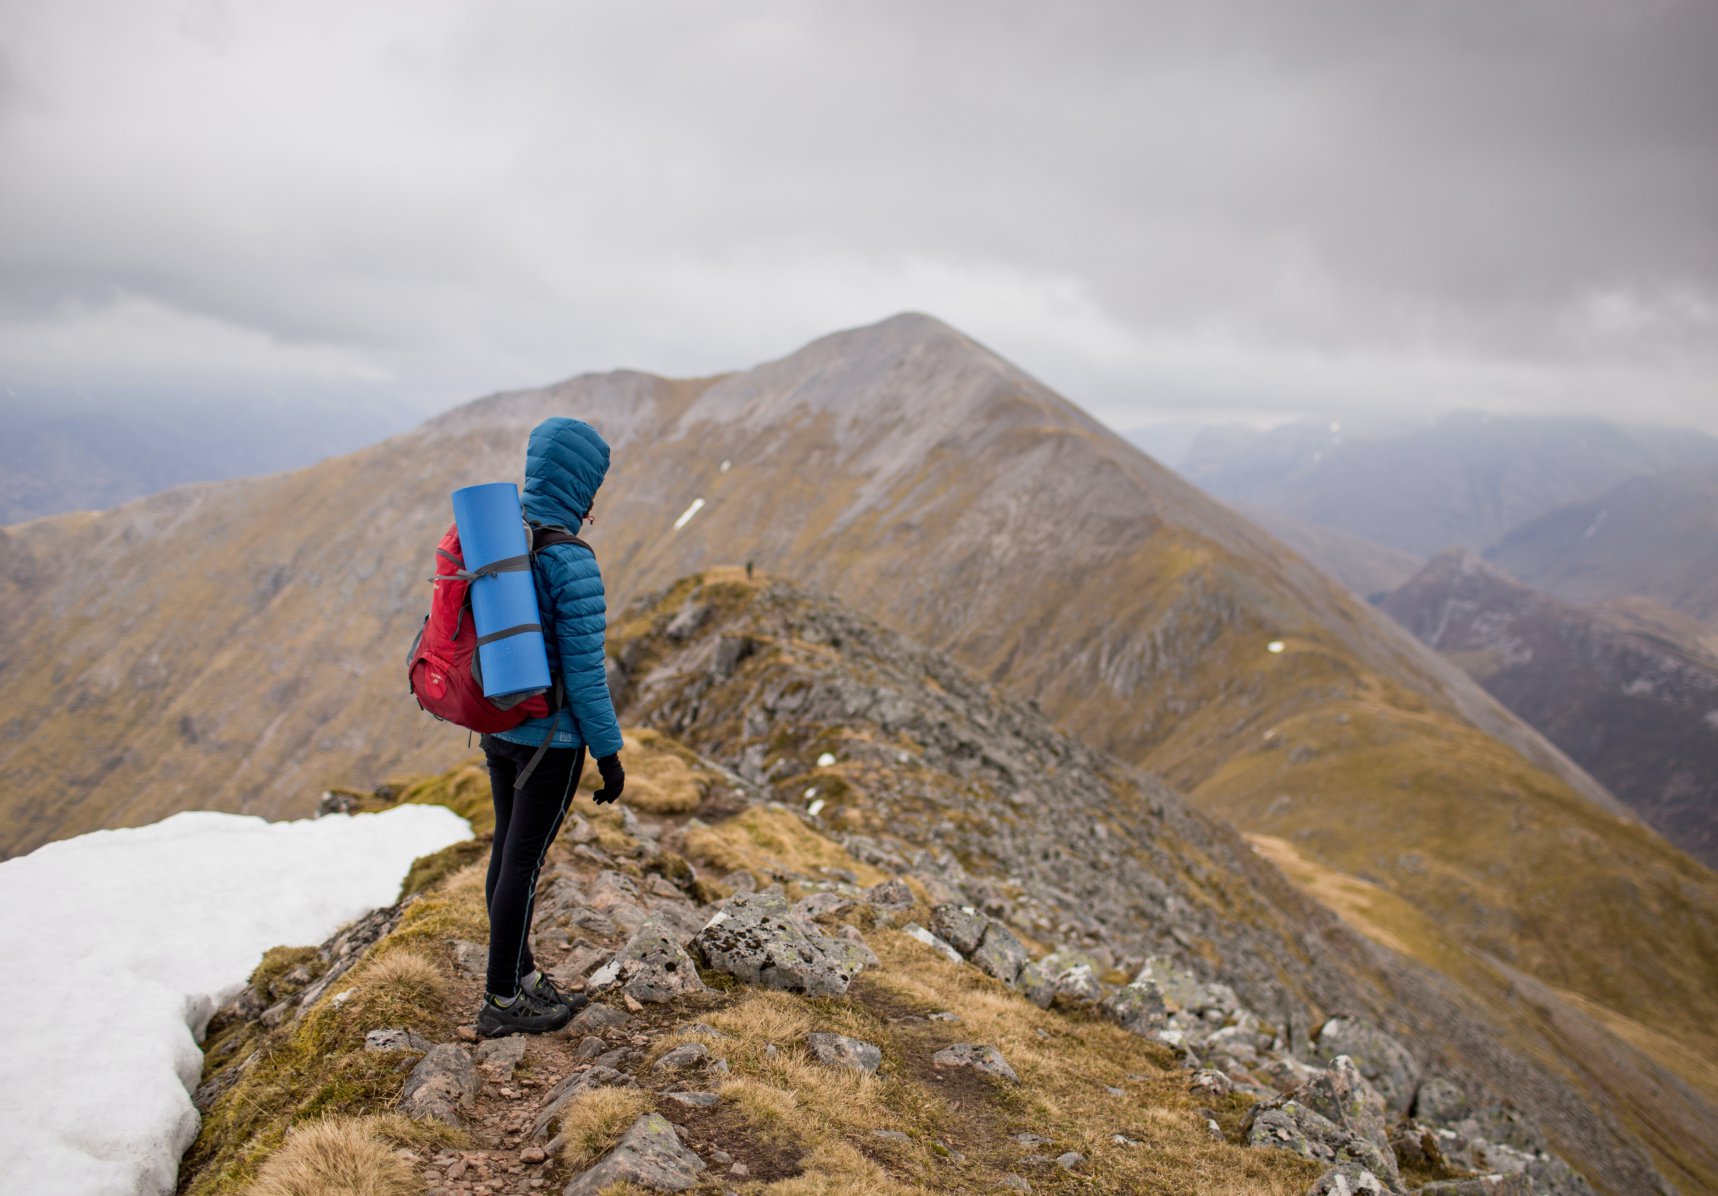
x=504 y=1029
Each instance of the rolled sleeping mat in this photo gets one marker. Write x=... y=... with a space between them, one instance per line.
x=510 y=650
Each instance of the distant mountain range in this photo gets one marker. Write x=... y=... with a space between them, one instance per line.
x=1655 y=536
x=1467 y=481
x=82 y=455
x=1637 y=709
x=241 y=646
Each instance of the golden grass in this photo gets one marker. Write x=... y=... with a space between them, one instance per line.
x=595 y=1121
x=792 y=1105
x=1493 y=852
x=772 y=838
x=336 y=1156
x=661 y=776
x=402 y=979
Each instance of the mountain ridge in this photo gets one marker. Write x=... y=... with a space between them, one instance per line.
x=240 y=643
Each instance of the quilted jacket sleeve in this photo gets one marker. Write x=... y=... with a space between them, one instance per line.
x=580 y=615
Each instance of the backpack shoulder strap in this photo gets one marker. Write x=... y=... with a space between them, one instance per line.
x=543 y=537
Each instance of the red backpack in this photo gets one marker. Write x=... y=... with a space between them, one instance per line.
x=442 y=667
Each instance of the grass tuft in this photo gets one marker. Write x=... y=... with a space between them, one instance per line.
x=336 y=1156
x=594 y=1122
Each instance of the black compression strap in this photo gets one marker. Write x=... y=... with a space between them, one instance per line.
x=512 y=564
x=504 y=633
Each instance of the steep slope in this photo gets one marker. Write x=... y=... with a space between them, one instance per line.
x=1363 y=566
x=1465 y=481
x=1654 y=536
x=883 y=789
x=243 y=643
x=1635 y=713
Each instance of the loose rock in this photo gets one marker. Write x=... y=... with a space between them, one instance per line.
x=838 y=1050
x=1000 y=954
x=652 y=967
x=650 y=1155
x=690 y=1054
x=946 y=950
x=394 y=1039
x=1386 y=1063
x=1350 y=1179
x=441 y=1086
x=986 y=1059
x=505 y=1053
x=962 y=927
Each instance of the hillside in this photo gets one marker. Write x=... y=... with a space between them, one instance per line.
x=1465 y=481
x=1634 y=711
x=244 y=643
x=1366 y=568
x=1178 y=986
x=1652 y=536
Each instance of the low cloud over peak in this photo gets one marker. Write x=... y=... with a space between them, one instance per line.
x=1197 y=211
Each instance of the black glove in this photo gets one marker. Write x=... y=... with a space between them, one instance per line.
x=613 y=779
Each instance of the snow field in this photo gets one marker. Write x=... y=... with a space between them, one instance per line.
x=117 y=946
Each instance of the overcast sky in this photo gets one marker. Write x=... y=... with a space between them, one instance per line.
x=1167 y=211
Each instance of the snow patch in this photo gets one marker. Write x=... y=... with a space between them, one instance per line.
x=1598 y=521
x=686 y=515
x=1712 y=717
x=1274 y=647
x=164 y=922
x=825 y=760
x=815 y=808
x=726 y=465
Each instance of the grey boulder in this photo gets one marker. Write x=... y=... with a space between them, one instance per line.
x=1000 y=954
x=650 y=1156
x=837 y=1050
x=986 y=1059
x=652 y=967
x=1335 y=1117
x=1350 y=1179
x=441 y=1086
x=1137 y=1008
x=1386 y=1063
x=755 y=938
x=962 y=927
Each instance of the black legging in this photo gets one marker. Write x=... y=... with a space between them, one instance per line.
x=526 y=822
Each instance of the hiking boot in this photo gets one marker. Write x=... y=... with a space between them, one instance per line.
x=545 y=991
x=526 y=1014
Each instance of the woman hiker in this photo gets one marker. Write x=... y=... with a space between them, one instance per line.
x=565 y=461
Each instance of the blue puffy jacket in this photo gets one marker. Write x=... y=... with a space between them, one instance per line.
x=565 y=462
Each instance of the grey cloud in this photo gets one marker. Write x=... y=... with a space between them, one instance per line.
x=1224 y=206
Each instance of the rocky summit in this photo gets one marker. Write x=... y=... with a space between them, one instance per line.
x=863 y=924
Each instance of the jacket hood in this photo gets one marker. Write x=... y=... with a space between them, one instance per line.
x=565 y=463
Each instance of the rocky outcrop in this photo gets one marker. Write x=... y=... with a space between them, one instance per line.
x=756 y=938
x=1019 y=834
